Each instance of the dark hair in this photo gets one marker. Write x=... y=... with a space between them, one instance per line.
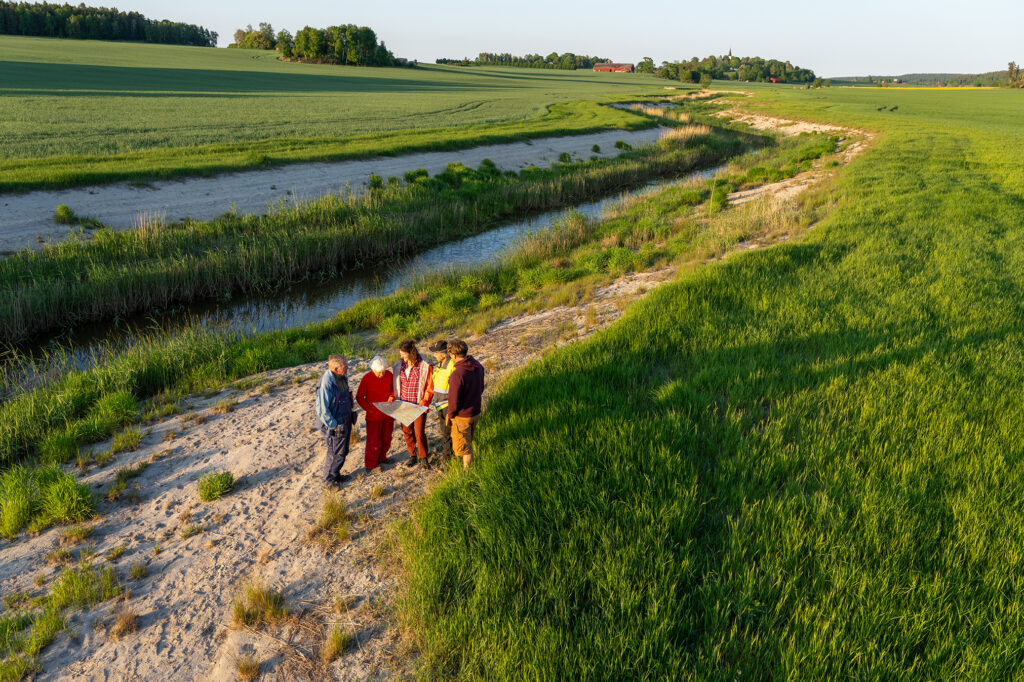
x=458 y=348
x=409 y=346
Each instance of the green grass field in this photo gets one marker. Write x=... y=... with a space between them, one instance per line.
x=801 y=463
x=88 y=111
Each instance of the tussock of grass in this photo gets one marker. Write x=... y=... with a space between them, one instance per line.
x=139 y=570
x=256 y=605
x=335 y=643
x=224 y=406
x=83 y=586
x=247 y=666
x=116 y=553
x=126 y=621
x=121 y=478
x=126 y=440
x=191 y=530
x=76 y=534
x=39 y=497
x=331 y=528
x=213 y=486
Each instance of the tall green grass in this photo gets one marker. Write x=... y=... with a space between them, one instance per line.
x=25 y=633
x=800 y=463
x=156 y=266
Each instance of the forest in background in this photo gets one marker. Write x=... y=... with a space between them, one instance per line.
x=97 y=23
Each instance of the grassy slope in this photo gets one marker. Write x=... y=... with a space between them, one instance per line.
x=83 y=111
x=802 y=462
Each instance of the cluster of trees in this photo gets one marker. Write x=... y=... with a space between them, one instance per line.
x=567 y=61
x=728 y=68
x=97 y=23
x=1016 y=75
x=348 y=44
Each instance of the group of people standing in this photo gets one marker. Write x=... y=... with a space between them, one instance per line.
x=451 y=387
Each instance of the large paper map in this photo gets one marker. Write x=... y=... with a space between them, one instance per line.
x=404 y=412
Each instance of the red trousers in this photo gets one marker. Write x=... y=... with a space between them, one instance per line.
x=378 y=441
x=416 y=436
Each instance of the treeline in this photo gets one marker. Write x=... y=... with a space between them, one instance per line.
x=566 y=62
x=97 y=23
x=729 y=68
x=349 y=44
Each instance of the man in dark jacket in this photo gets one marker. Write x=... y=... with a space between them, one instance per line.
x=465 y=390
x=334 y=413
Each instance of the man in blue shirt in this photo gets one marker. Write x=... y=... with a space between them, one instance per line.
x=335 y=416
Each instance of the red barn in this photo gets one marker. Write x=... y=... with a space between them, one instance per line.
x=775 y=80
x=614 y=67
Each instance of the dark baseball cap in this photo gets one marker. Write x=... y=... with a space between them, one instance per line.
x=439 y=346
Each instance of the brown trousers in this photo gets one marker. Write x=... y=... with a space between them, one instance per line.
x=416 y=436
x=462 y=437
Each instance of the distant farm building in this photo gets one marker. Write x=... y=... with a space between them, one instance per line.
x=775 y=80
x=614 y=67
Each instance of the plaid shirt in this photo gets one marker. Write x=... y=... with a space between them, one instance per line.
x=409 y=385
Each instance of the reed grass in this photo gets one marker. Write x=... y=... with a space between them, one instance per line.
x=158 y=265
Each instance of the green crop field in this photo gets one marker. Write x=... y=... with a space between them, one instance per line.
x=800 y=463
x=84 y=111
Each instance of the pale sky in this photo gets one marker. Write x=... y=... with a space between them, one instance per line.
x=879 y=37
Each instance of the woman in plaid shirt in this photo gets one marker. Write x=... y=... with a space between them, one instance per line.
x=413 y=383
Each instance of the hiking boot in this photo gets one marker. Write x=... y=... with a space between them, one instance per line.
x=411 y=462
x=426 y=463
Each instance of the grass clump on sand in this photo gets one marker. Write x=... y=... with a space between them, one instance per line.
x=126 y=621
x=331 y=529
x=37 y=497
x=126 y=440
x=121 y=478
x=24 y=635
x=64 y=215
x=213 y=486
x=256 y=605
x=335 y=643
x=247 y=666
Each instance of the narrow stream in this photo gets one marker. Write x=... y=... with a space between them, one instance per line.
x=318 y=300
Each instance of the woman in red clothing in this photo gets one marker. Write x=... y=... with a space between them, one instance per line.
x=413 y=383
x=376 y=387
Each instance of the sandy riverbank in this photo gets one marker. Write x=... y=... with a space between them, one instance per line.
x=25 y=218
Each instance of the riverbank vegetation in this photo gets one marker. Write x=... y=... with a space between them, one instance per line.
x=154 y=266
x=69 y=410
x=802 y=462
x=243 y=112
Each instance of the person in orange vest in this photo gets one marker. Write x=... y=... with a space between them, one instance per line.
x=376 y=387
x=442 y=371
x=413 y=383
